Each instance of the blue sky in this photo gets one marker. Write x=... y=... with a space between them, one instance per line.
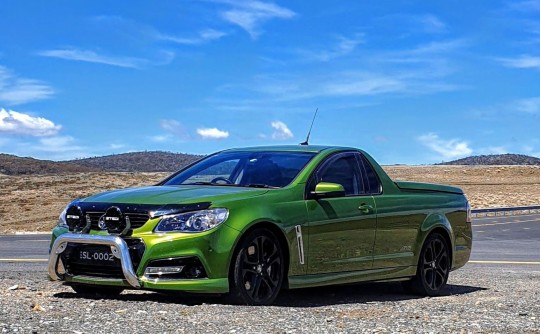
x=410 y=82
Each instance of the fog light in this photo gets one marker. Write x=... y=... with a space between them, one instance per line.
x=175 y=269
x=159 y=271
x=195 y=272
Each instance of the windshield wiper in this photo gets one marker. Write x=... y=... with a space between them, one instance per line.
x=204 y=183
x=258 y=185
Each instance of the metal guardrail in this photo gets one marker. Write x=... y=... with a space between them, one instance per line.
x=506 y=211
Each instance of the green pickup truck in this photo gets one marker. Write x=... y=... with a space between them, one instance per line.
x=249 y=222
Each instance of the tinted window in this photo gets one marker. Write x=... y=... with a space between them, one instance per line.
x=273 y=169
x=371 y=177
x=342 y=170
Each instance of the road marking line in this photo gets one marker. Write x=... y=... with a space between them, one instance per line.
x=24 y=260
x=512 y=222
x=42 y=240
x=504 y=216
x=505 y=262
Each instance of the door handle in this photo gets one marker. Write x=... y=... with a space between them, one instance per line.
x=365 y=208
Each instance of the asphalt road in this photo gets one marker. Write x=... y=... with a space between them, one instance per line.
x=507 y=239
x=503 y=240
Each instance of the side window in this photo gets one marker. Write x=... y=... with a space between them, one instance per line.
x=342 y=170
x=372 y=180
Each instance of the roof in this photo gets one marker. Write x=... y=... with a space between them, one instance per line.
x=288 y=148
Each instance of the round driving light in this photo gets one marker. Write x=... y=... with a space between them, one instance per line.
x=75 y=219
x=115 y=221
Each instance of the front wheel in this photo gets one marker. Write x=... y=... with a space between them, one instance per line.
x=433 y=268
x=258 y=270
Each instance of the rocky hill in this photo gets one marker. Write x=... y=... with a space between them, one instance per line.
x=152 y=161
x=496 y=159
x=14 y=165
x=148 y=161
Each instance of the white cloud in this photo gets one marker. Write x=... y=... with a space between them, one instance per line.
x=205 y=35
x=212 y=133
x=49 y=148
x=54 y=144
x=447 y=149
x=174 y=127
x=405 y=24
x=93 y=57
x=439 y=47
x=364 y=86
x=60 y=148
x=343 y=47
x=211 y=34
x=161 y=138
x=524 y=61
x=115 y=146
x=530 y=105
x=250 y=14
x=15 y=90
x=12 y=122
x=296 y=87
x=432 y=23
x=282 y=131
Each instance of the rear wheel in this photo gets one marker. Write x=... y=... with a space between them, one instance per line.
x=97 y=290
x=433 y=268
x=257 y=274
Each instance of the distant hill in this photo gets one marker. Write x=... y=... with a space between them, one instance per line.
x=153 y=161
x=14 y=165
x=496 y=159
x=148 y=161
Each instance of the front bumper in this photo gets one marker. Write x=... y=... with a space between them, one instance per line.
x=213 y=249
x=118 y=246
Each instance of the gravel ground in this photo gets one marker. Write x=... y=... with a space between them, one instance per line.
x=480 y=299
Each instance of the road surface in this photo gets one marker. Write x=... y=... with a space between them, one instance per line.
x=503 y=240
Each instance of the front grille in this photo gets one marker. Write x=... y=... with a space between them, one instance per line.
x=95 y=271
x=75 y=266
x=137 y=219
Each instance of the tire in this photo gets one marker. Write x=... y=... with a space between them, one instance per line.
x=257 y=269
x=96 y=290
x=433 y=268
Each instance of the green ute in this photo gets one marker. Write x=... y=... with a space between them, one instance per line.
x=249 y=222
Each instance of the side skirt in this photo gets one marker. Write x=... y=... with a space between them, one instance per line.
x=372 y=275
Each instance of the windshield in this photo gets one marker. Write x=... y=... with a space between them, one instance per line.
x=245 y=169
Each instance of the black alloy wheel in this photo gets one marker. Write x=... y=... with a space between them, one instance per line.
x=97 y=290
x=433 y=268
x=257 y=275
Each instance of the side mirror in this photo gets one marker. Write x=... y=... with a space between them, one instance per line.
x=328 y=190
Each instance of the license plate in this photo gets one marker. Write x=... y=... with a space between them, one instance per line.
x=96 y=256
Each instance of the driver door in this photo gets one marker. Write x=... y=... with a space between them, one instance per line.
x=341 y=229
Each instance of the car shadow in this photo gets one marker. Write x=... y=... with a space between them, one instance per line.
x=362 y=293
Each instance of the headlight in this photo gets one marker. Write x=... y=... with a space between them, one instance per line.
x=62 y=218
x=197 y=221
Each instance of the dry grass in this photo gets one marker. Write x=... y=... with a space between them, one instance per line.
x=32 y=203
x=485 y=186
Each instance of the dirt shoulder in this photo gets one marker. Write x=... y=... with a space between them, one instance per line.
x=33 y=203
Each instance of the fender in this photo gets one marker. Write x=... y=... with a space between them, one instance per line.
x=432 y=222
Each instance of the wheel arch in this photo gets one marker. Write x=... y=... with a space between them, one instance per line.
x=435 y=223
x=280 y=234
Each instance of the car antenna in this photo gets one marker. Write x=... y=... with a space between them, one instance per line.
x=311 y=127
